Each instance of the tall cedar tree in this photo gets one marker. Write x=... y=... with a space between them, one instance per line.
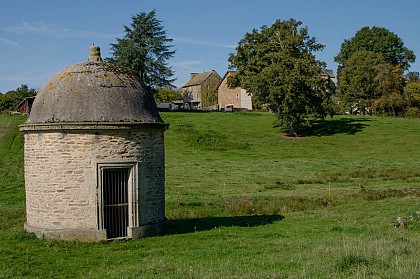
x=278 y=66
x=145 y=50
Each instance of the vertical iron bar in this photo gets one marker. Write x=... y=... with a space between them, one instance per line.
x=117 y=195
x=115 y=201
x=116 y=221
x=119 y=202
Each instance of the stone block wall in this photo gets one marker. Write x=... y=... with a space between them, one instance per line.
x=228 y=95
x=238 y=97
x=61 y=176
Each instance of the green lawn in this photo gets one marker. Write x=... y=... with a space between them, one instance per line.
x=243 y=201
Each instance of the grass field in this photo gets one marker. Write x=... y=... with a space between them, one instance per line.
x=243 y=201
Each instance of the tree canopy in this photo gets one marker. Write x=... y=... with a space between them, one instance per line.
x=356 y=82
x=10 y=100
x=145 y=50
x=277 y=65
x=377 y=40
x=166 y=95
x=412 y=95
x=370 y=72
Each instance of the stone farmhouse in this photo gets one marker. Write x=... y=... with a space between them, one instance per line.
x=329 y=75
x=230 y=99
x=200 y=86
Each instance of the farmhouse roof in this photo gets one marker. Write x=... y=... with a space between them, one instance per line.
x=198 y=79
x=231 y=73
x=26 y=99
x=328 y=73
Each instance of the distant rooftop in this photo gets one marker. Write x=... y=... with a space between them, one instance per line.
x=198 y=79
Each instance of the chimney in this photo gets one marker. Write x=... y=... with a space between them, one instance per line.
x=94 y=53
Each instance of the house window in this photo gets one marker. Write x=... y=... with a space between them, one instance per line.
x=117 y=193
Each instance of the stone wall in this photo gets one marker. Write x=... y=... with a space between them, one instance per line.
x=61 y=176
x=246 y=100
x=238 y=97
x=228 y=95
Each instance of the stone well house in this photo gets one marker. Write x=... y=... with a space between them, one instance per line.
x=198 y=88
x=94 y=156
x=232 y=98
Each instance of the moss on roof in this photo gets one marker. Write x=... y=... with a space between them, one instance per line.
x=94 y=92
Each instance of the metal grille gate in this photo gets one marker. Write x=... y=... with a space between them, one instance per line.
x=115 y=201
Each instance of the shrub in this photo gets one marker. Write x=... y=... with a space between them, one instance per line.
x=412 y=112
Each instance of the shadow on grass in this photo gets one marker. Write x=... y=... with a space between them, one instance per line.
x=348 y=126
x=180 y=226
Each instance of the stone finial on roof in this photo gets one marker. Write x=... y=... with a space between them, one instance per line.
x=94 y=53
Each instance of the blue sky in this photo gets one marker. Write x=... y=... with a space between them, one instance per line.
x=38 y=38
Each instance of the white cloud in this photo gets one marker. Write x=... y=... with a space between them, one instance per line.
x=7 y=42
x=186 y=65
x=52 y=29
x=204 y=41
x=32 y=77
x=17 y=77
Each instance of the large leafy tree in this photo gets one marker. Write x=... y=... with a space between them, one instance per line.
x=145 y=50
x=277 y=64
x=389 y=83
x=378 y=40
x=370 y=71
x=356 y=85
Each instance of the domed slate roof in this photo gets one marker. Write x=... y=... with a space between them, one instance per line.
x=94 y=92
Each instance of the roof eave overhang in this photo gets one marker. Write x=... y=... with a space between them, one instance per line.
x=90 y=126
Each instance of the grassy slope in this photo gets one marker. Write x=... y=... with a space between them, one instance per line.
x=12 y=199
x=321 y=206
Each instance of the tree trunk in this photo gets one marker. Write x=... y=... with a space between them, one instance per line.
x=292 y=132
